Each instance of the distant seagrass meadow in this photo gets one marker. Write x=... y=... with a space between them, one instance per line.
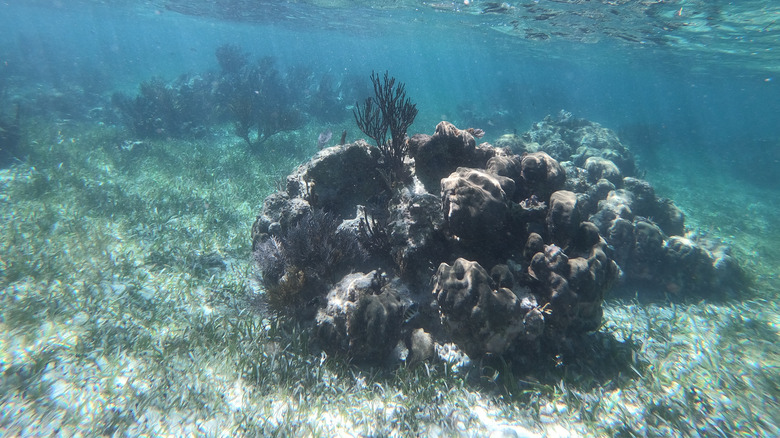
x=330 y=218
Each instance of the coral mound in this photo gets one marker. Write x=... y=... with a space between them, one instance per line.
x=521 y=247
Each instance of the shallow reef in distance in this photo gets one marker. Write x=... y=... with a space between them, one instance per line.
x=10 y=136
x=258 y=98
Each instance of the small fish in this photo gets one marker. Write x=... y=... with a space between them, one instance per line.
x=411 y=312
x=324 y=138
x=476 y=132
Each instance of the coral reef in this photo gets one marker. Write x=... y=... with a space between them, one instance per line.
x=258 y=98
x=567 y=138
x=182 y=109
x=646 y=232
x=521 y=248
x=231 y=58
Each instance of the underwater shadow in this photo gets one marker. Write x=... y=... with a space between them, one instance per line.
x=592 y=364
x=597 y=361
x=646 y=294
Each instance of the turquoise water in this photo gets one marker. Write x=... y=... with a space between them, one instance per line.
x=691 y=87
x=681 y=85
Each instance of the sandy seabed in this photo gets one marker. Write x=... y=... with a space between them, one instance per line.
x=129 y=307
